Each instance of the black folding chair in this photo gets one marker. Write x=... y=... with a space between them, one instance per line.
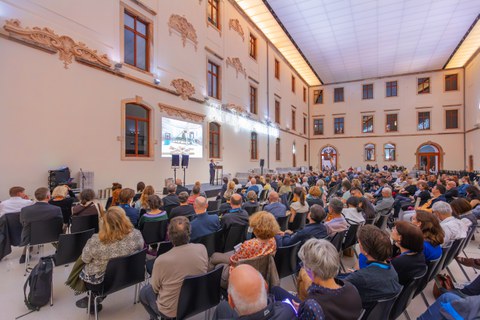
x=213 y=205
x=471 y=231
x=282 y=222
x=154 y=231
x=169 y=207
x=452 y=253
x=298 y=221
x=121 y=273
x=83 y=223
x=286 y=260
x=351 y=238
x=437 y=268
x=337 y=240
x=14 y=228
x=43 y=232
x=213 y=241
x=382 y=220
x=251 y=210
x=406 y=296
x=381 y=309
x=431 y=265
x=234 y=235
x=199 y=293
x=163 y=247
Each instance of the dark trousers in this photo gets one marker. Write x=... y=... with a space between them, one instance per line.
x=212 y=177
x=282 y=294
x=473 y=289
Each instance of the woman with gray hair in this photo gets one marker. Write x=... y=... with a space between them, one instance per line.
x=338 y=299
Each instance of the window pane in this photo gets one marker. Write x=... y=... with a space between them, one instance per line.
x=130 y=136
x=129 y=47
x=142 y=137
x=141 y=53
x=129 y=21
x=134 y=110
x=142 y=28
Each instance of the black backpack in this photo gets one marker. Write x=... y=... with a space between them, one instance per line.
x=40 y=283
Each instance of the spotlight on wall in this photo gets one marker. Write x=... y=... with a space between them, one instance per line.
x=156 y=81
x=118 y=66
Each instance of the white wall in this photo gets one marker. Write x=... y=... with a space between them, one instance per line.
x=472 y=102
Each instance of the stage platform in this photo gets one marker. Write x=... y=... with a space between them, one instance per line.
x=210 y=191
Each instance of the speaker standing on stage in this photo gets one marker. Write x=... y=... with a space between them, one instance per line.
x=212 y=172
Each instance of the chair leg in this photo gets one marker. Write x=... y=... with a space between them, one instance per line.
x=27 y=259
x=95 y=305
x=51 y=292
x=425 y=299
x=405 y=313
x=464 y=272
x=355 y=251
x=465 y=254
x=89 y=294
x=451 y=275
x=135 y=297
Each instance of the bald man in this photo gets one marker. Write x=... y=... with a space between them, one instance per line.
x=236 y=215
x=275 y=207
x=203 y=223
x=248 y=299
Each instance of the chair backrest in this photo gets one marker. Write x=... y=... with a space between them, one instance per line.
x=213 y=241
x=169 y=207
x=45 y=231
x=350 y=236
x=470 y=233
x=266 y=266
x=381 y=310
x=298 y=221
x=406 y=295
x=286 y=260
x=439 y=265
x=234 y=235
x=154 y=231
x=213 y=205
x=337 y=240
x=261 y=196
x=283 y=222
x=83 y=223
x=70 y=246
x=164 y=247
x=123 y=272
x=430 y=269
x=199 y=293
x=382 y=220
x=452 y=252
x=251 y=210
x=14 y=228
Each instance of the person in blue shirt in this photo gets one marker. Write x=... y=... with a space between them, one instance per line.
x=125 y=199
x=204 y=223
x=275 y=207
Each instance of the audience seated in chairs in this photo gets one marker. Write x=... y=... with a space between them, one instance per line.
x=125 y=199
x=338 y=299
x=248 y=299
x=142 y=203
x=265 y=227
x=451 y=192
x=335 y=221
x=160 y=297
x=116 y=238
x=226 y=206
x=39 y=211
x=433 y=234
x=184 y=209
x=461 y=209
x=171 y=199
x=60 y=199
x=286 y=187
x=384 y=204
x=378 y=280
x=251 y=200
x=236 y=215
x=314 y=196
x=180 y=187
x=18 y=199
x=203 y=223
x=87 y=205
x=194 y=194
x=438 y=192
x=257 y=188
x=454 y=228
x=410 y=263
x=154 y=213
x=275 y=207
x=314 y=229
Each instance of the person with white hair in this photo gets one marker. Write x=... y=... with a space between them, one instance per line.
x=453 y=227
x=248 y=299
x=385 y=203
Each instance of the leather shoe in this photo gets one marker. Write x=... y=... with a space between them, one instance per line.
x=82 y=303
x=99 y=308
x=22 y=259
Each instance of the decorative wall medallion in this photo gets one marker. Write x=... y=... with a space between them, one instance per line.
x=184 y=88
x=236 y=26
x=237 y=64
x=185 y=28
x=187 y=115
x=236 y=108
x=66 y=46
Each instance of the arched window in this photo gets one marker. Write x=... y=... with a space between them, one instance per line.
x=137 y=130
x=369 y=152
x=389 y=150
x=254 y=146
x=277 y=149
x=328 y=158
x=214 y=140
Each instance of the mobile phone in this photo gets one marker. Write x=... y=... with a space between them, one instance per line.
x=287 y=301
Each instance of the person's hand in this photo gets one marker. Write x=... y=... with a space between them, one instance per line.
x=296 y=305
x=281 y=233
x=288 y=231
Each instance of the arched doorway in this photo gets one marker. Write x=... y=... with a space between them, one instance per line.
x=328 y=158
x=429 y=157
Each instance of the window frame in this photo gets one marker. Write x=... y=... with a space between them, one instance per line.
x=385 y=151
x=278 y=149
x=277 y=69
x=372 y=120
x=304 y=124
x=305 y=152
x=447 y=127
x=213 y=6
x=151 y=130
x=211 y=144
x=148 y=37
x=216 y=76
x=367 y=91
x=391 y=88
x=365 y=158
x=304 y=94
x=387 y=122
x=294 y=119
x=254 y=146
x=337 y=94
x=446 y=89
x=293 y=83
x=253 y=94
x=429 y=120
x=317 y=96
x=335 y=125
x=427 y=79
x=320 y=126
x=252 y=47
x=277 y=111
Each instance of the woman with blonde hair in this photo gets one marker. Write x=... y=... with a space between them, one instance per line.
x=142 y=203
x=285 y=188
x=60 y=199
x=116 y=238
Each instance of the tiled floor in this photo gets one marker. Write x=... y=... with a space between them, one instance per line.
x=120 y=305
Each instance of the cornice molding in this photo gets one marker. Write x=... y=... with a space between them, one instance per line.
x=185 y=28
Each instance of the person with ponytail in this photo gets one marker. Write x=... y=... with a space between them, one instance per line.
x=299 y=203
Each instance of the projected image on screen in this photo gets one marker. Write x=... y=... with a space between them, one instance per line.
x=181 y=137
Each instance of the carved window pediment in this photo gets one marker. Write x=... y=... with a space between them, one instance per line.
x=185 y=28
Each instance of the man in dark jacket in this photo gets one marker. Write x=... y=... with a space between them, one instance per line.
x=180 y=186
x=204 y=223
x=236 y=215
x=248 y=299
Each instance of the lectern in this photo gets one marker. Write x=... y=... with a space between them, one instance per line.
x=218 y=174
